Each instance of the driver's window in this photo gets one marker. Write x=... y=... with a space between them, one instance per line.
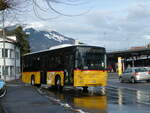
x=128 y=71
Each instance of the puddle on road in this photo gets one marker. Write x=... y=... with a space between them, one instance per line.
x=126 y=96
x=115 y=101
x=87 y=101
x=143 y=97
x=128 y=101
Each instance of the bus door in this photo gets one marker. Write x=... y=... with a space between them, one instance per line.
x=68 y=70
x=43 y=69
x=43 y=77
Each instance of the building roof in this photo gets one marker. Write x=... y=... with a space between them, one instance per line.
x=137 y=48
x=10 y=39
x=129 y=53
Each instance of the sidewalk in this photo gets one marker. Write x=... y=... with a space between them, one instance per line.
x=22 y=98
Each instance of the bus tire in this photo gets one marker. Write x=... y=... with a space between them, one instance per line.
x=32 y=80
x=58 y=83
x=38 y=85
x=85 y=89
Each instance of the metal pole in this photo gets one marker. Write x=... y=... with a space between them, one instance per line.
x=4 y=36
x=15 y=61
x=132 y=61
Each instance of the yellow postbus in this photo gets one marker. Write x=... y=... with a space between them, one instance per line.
x=77 y=66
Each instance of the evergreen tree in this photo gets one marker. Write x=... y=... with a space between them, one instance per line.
x=21 y=39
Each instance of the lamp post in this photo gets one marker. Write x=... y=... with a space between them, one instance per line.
x=4 y=36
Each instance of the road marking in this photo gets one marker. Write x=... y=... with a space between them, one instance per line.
x=13 y=85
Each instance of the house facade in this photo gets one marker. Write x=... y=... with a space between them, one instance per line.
x=10 y=56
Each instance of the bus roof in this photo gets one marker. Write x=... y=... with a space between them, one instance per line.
x=61 y=48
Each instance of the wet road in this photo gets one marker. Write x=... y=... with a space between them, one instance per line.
x=117 y=100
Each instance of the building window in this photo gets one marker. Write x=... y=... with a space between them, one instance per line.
x=11 y=53
x=0 y=72
x=17 y=55
x=5 y=72
x=4 y=52
x=17 y=70
x=12 y=71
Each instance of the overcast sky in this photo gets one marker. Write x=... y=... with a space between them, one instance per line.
x=114 y=24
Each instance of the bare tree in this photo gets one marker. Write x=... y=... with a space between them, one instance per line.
x=50 y=8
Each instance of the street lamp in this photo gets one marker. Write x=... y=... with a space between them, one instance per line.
x=4 y=36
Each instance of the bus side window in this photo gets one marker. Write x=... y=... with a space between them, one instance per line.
x=78 y=60
x=52 y=62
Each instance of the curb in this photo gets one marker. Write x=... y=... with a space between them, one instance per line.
x=3 y=109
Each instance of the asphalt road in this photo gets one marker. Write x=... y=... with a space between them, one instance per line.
x=117 y=100
x=120 y=98
x=22 y=98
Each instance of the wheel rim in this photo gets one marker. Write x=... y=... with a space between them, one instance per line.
x=132 y=80
x=32 y=81
x=58 y=83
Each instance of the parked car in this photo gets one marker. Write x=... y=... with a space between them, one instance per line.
x=2 y=88
x=135 y=74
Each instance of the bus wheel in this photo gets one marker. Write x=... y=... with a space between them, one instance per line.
x=32 y=80
x=58 y=84
x=38 y=85
x=85 y=89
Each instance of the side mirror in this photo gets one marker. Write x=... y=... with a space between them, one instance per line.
x=80 y=66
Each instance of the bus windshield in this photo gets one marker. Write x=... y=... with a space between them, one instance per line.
x=91 y=58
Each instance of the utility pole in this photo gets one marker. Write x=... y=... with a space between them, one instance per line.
x=4 y=36
x=104 y=39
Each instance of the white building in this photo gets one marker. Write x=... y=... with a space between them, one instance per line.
x=12 y=59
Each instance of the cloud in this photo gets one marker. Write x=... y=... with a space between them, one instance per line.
x=147 y=37
x=112 y=29
x=36 y=25
x=123 y=30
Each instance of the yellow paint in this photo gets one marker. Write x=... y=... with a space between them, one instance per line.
x=90 y=78
x=92 y=102
x=51 y=77
x=119 y=66
x=26 y=77
x=81 y=78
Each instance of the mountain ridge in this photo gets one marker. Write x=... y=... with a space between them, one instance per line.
x=42 y=39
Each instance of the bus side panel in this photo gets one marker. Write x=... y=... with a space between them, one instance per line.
x=51 y=77
x=26 y=77
x=90 y=78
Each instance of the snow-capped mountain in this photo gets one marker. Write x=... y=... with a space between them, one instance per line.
x=54 y=35
x=40 y=39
